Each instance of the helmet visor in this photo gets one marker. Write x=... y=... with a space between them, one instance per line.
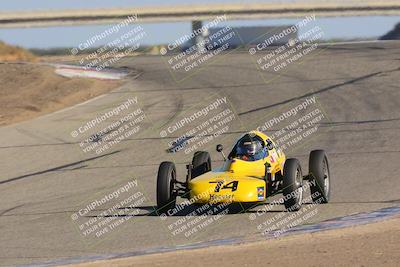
x=249 y=148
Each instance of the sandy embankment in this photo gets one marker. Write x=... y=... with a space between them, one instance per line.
x=28 y=91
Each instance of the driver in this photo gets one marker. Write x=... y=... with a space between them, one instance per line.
x=250 y=150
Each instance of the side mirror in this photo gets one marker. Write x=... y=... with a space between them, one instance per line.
x=270 y=145
x=219 y=148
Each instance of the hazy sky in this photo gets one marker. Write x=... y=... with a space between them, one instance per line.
x=40 y=4
x=71 y=36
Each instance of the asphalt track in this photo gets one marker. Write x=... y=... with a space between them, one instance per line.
x=46 y=177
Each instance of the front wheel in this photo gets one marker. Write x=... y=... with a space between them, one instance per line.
x=201 y=163
x=292 y=185
x=166 y=178
x=319 y=176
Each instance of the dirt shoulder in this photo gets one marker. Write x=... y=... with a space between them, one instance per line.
x=28 y=91
x=374 y=244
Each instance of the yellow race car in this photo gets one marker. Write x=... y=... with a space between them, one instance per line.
x=254 y=170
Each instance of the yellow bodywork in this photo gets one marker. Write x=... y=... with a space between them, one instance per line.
x=237 y=180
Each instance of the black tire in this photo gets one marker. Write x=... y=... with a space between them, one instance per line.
x=292 y=185
x=166 y=178
x=201 y=163
x=319 y=172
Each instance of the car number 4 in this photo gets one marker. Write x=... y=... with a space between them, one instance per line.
x=220 y=185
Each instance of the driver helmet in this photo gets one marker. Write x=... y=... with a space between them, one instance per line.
x=249 y=147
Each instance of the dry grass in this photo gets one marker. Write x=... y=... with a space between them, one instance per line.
x=28 y=91
x=10 y=53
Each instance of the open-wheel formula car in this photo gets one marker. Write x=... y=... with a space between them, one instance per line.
x=254 y=170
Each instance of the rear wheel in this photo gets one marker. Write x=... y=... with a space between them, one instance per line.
x=166 y=178
x=292 y=185
x=319 y=176
x=201 y=163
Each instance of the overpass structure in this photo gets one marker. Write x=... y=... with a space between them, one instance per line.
x=46 y=18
